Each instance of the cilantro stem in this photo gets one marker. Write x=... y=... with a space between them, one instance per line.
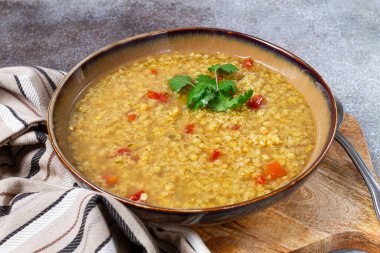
x=216 y=80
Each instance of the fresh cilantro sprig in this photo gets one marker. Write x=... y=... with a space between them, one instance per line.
x=178 y=82
x=206 y=91
x=225 y=68
x=222 y=104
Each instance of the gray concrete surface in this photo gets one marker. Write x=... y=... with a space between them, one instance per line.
x=339 y=38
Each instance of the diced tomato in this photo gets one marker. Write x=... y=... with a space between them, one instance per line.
x=154 y=71
x=248 y=63
x=215 y=155
x=261 y=179
x=110 y=179
x=163 y=97
x=256 y=101
x=158 y=96
x=219 y=78
x=132 y=117
x=127 y=151
x=275 y=170
x=123 y=151
x=136 y=196
x=189 y=129
x=235 y=127
x=152 y=95
x=135 y=157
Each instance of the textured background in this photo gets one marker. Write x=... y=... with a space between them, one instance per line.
x=341 y=39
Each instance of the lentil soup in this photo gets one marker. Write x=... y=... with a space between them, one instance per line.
x=133 y=136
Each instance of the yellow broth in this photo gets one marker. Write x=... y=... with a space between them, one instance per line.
x=127 y=142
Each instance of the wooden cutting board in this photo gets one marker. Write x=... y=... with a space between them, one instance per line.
x=332 y=210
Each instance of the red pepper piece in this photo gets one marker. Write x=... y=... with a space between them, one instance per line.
x=110 y=179
x=136 y=196
x=256 y=101
x=153 y=95
x=235 y=127
x=132 y=117
x=123 y=151
x=261 y=179
x=275 y=170
x=189 y=129
x=248 y=63
x=154 y=71
x=158 y=96
x=135 y=157
x=127 y=151
x=215 y=155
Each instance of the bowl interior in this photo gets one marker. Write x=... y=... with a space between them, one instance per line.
x=211 y=41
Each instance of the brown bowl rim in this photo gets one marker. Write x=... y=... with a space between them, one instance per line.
x=234 y=34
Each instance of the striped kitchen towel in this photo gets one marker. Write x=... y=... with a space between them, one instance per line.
x=41 y=209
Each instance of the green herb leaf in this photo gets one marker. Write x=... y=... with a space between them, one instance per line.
x=225 y=68
x=221 y=104
x=178 y=82
x=218 y=104
x=204 y=79
x=196 y=94
x=227 y=88
x=239 y=100
x=208 y=96
x=209 y=81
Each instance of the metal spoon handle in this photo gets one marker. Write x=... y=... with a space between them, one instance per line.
x=369 y=177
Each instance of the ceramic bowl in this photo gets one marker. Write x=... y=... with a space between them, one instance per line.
x=205 y=40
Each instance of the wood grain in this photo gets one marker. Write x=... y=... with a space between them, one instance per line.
x=332 y=210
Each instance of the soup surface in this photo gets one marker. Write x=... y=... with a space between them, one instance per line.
x=133 y=136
